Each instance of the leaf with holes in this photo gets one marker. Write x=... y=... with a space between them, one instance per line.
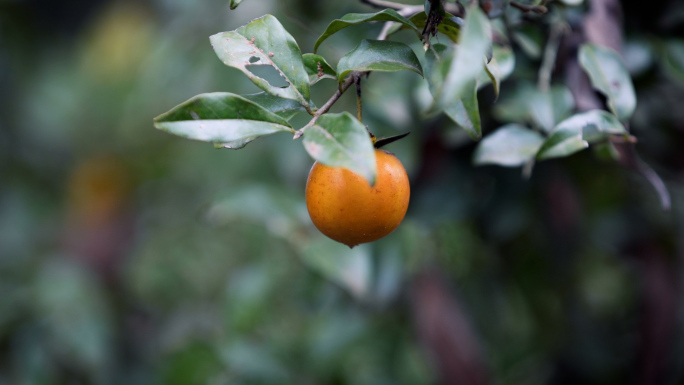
x=285 y=108
x=378 y=55
x=340 y=140
x=358 y=18
x=511 y=145
x=318 y=68
x=264 y=41
x=610 y=76
x=463 y=110
x=222 y=118
x=468 y=59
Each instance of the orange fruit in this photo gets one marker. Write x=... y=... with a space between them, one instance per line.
x=344 y=206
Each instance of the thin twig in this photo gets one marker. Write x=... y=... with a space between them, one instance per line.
x=384 y=4
x=406 y=12
x=453 y=9
x=657 y=183
x=326 y=107
x=355 y=77
x=549 y=58
x=357 y=81
x=530 y=8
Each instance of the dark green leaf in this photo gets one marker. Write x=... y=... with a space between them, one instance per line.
x=234 y=3
x=609 y=75
x=225 y=119
x=468 y=59
x=339 y=140
x=381 y=142
x=285 y=108
x=511 y=145
x=264 y=41
x=358 y=18
x=378 y=55
x=318 y=68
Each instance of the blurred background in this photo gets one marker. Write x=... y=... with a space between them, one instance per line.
x=130 y=256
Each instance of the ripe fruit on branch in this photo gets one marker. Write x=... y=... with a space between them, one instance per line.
x=343 y=206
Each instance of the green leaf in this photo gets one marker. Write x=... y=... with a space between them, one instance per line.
x=378 y=55
x=466 y=113
x=437 y=63
x=609 y=75
x=500 y=67
x=339 y=140
x=450 y=26
x=318 y=68
x=576 y=132
x=506 y=58
x=562 y=142
x=358 y=18
x=595 y=125
x=673 y=59
x=547 y=109
x=494 y=74
x=528 y=103
x=225 y=119
x=464 y=110
x=234 y=3
x=285 y=108
x=349 y=268
x=264 y=41
x=511 y=145
x=468 y=60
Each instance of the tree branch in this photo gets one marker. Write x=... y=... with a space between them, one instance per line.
x=453 y=9
x=530 y=8
x=326 y=107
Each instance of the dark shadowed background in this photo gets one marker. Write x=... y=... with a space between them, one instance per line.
x=130 y=256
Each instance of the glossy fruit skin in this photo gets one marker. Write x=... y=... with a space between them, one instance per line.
x=343 y=206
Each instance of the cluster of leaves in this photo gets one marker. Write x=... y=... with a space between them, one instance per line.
x=231 y=121
x=559 y=135
x=453 y=76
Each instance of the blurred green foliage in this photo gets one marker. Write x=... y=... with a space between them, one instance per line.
x=131 y=256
